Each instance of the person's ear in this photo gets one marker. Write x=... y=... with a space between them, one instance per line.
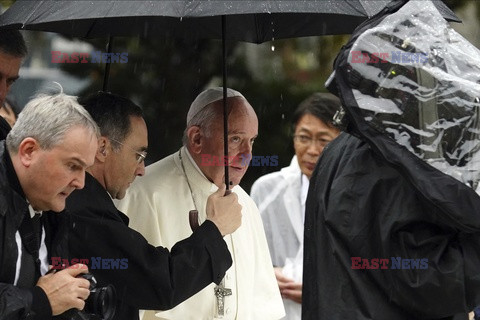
x=195 y=139
x=27 y=150
x=102 y=151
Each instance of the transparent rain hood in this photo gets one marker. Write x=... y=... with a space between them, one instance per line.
x=417 y=80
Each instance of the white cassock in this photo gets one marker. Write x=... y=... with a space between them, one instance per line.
x=280 y=197
x=158 y=205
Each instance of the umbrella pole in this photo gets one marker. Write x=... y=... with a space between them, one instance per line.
x=225 y=113
x=107 y=66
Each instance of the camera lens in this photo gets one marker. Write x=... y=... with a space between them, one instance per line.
x=101 y=302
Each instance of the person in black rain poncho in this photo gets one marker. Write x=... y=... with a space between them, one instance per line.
x=392 y=226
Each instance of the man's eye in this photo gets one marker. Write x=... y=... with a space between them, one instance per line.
x=235 y=139
x=323 y=142
x=73 y=166
x=305 y=138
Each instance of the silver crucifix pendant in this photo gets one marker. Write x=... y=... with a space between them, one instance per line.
x=220 y=293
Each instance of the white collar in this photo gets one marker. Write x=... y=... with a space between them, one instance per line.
x=196 y=177
x=33 y=212
x=194 y=163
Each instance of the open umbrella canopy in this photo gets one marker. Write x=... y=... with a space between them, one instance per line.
x=251 y=21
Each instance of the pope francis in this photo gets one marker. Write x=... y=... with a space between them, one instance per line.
x=159 y=206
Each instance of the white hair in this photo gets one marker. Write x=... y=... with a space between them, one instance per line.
x=47 y=118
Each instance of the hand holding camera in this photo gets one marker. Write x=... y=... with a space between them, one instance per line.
x=74 y=295
x=64 y=289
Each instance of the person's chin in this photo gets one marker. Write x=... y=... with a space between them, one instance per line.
x=308 y=173
x=121 y=194
x=58 y=205
x=236 y=176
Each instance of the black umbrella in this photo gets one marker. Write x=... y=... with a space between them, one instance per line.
x=251 y=21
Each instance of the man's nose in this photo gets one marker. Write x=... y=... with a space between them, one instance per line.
x=315 y=149
x=78 y=181
x=246 y=148
x=140 y=171
x=246 y=153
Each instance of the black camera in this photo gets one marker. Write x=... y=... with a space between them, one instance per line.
x=100 y=304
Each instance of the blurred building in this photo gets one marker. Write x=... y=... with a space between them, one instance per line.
x=38 y=73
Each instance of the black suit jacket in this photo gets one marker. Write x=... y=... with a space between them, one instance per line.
x=4 y=128
x=154 y=278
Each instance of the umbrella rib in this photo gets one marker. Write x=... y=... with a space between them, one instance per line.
x=257 y=32
x=92 y=26
x=31 y=14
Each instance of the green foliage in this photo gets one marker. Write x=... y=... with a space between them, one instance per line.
x=6 y=3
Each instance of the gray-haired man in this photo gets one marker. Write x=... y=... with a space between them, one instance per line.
x=41 y=162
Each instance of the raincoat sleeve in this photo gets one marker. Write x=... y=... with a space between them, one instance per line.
x=145 y=276
x=363 y=209
x=258 y=194
x=20 y=303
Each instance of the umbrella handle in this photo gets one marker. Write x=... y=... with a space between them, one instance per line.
x=193 y=215
x=193 y=219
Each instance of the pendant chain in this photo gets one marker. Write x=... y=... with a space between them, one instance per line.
x=230 y=236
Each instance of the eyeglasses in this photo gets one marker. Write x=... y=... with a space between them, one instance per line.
x=307 y=140
x=141 y=156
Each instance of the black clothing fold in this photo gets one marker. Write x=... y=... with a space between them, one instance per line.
x=16 y=302
x=145 y=277
x=361 y=206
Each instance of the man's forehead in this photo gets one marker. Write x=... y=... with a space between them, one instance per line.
x=138 y=131
x=78 y=143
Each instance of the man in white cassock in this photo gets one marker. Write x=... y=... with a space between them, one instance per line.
x=159 y=206
x=281 y=196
